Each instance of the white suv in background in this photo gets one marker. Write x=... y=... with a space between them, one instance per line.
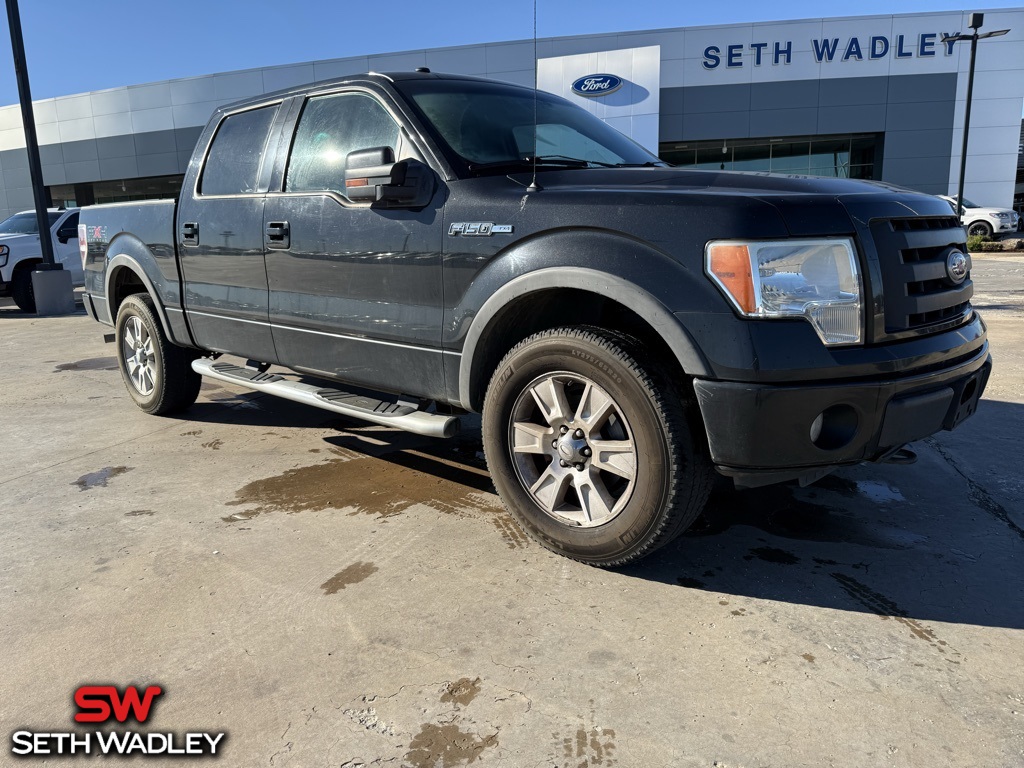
x=20 y=252
x=978 y=220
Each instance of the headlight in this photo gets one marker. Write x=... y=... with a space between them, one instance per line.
x=818 y=280
x=1001 y=215
x=4 y=250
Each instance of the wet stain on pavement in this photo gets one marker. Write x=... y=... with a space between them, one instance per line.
x=461 y=692
x=773 y=555
x=89 y=364
x=588 y=748
x=140 y=513
x=840 y=485
x=353 y=574
x=446 y=746
x=885 y=608
x=383 y=487
x=214 y=445
x=192 y=433
x=99 y=478
x=808 y=657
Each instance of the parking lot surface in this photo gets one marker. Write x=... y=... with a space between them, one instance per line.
x=335 y=594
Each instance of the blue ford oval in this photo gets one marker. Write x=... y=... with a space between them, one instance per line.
x=596 y=85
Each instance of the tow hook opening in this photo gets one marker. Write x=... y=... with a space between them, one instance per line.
x=834 y=428
x=901 y=456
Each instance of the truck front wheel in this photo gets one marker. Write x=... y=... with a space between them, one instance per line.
x=157 y=373
x=592 y=451
x=979 y=229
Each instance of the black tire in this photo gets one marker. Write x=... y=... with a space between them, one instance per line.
x=22 y=291
x=166 y=382
x=665 y=479
x=980 y=229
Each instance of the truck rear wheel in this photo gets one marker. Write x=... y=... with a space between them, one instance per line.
x=157 y=373
x=591 y=451
x=21 y=290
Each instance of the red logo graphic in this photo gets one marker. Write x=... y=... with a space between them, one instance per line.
x=97 y=703
x=97 y=233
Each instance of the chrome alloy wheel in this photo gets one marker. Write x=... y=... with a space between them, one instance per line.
x=573 y=449
x=137 y=350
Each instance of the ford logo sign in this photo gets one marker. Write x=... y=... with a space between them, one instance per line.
x=596 y=85
x=957 y=267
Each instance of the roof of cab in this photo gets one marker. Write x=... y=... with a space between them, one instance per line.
x=374 y=77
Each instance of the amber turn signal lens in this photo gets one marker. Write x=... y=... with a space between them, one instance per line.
x=731 y=265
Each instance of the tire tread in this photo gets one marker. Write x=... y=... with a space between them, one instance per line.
x=685 y=499
x=180 y=383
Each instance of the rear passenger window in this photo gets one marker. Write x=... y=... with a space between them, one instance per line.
x=330 y=128
x=233 y=165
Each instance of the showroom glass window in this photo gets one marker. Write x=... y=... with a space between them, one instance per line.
x=331 y=127
x=236 y=155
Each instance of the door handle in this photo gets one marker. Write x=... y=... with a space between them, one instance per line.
x=190 y=232
x=278 y=234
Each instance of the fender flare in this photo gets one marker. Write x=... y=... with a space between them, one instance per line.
x=130 y=263
x=599 y=283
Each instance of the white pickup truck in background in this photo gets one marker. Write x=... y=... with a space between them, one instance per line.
x=20 y=252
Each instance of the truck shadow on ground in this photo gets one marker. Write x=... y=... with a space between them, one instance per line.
x=913 y=543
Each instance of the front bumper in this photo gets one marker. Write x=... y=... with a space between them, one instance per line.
x=762 y=433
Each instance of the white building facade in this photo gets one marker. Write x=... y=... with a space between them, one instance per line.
x=877 y=97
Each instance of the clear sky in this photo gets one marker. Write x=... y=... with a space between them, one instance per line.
x=75 y=46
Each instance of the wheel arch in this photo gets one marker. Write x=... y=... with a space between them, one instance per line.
x=498 y=325
x=124 y=276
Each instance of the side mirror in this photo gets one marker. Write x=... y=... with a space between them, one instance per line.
x=373 y=176
x=66 y=233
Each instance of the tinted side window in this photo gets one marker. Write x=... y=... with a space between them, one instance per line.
x=233 y=165
x=330 y=128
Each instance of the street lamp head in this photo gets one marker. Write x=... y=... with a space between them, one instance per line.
x=975 y=20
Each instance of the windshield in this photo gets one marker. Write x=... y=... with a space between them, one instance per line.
x=26 y=223
x=489 y=126
x=967 y=203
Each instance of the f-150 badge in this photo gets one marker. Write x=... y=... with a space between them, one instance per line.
x=479 y=229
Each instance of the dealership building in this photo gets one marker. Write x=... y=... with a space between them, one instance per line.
x=871 y=97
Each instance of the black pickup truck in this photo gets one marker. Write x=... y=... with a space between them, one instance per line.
x=415 y=246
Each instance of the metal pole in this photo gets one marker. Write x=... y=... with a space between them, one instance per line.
x=31 y=142
x=967 y=126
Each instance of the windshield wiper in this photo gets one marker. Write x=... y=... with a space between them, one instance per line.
x=575 y=162
x=648 y=164
x=542 y=161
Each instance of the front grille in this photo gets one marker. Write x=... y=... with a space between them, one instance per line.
x=918 y=293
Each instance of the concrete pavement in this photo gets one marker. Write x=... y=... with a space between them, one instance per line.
x=331 y=594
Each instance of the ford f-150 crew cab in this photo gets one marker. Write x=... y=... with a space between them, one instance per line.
x=411 y=247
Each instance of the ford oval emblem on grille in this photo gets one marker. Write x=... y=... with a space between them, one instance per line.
x=957 y=266
x=596 y=85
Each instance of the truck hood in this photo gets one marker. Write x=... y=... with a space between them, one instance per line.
x=808 y=205
x=13 y=240
x=973 y=213
x=734 y=183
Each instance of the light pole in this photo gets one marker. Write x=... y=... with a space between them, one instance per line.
x=974 y=21
x=51 y=285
